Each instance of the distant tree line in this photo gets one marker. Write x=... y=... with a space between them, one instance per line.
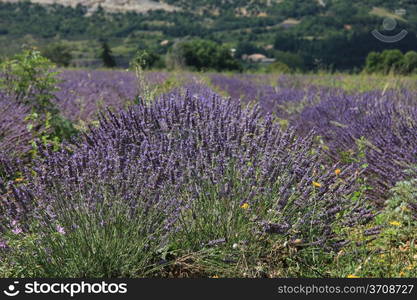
x=206 y=55
x=338 y=51
x=391 y=61
x=203 y=55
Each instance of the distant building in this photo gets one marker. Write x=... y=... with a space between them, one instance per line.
x=233 y=52
x=291 y=22
x=322 y=3
x=257 y=58
x=400 y=12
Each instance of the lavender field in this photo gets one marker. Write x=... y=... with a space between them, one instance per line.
x=210 y=175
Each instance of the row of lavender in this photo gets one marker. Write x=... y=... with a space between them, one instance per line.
x=80 y=96
x=168 y=159
x=193 y=162
x=385 y=121
x=377 y=128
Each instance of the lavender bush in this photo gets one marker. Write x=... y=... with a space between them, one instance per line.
x=381 y=126
x=284 y=164
x=186 y=171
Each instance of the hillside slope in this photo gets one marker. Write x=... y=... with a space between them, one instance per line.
x=322 y=33
x=238 y=7
x=109 y=5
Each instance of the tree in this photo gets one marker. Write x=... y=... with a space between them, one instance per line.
x=106 y=56
x=207 y=55
x=292 y=60
x=410 y=62
x=374 y=62
x=58 y=53
x=393 y=60
x=146 y=59
x=285 y=41
x=278 y=67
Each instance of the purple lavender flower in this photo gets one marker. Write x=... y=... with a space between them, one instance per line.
x=161 y=160
x=3 y=245
x=17 y=230
x=60 y=229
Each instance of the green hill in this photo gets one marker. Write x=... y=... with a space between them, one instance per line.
x=321 y=33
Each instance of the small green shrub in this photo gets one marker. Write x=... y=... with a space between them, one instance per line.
x=30 y=79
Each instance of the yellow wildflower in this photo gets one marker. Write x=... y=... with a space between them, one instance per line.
x=401 y=274
x=214 y=276
x=395 y=223
x=245 y=206
x=337 y=171
x=352 y=276
x=316 y=184
x=20 y=179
